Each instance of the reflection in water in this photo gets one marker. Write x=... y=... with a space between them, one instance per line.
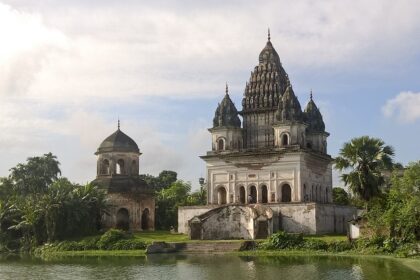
x=206 y=267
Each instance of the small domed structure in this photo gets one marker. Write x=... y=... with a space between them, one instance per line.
x=132 y=200
x=118 y=142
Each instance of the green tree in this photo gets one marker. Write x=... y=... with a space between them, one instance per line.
x=402 y=214
x=364 y=158
x=340 y=196
x=168 y=201
x=36 y=175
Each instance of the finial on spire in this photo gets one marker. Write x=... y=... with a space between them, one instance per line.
x=119 y=124
x=227 y=88
x=269 y=37
x=310 y=94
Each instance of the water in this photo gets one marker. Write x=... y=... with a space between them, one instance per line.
x=206 y=267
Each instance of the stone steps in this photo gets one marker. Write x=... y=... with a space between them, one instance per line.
x=207 y=247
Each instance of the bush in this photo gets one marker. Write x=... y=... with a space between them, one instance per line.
x=283 y=240
x=339 y=246
x=128 y=244
x=315 y=244
x=110 y=237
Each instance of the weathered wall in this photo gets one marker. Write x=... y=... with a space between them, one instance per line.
x=135 y=204
x=186 y=213
x=229 y=223
x=308 y=218
x=332 y=218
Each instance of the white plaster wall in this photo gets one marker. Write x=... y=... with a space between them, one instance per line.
x=186 y=213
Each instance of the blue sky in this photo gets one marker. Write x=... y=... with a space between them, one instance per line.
x=69 y=69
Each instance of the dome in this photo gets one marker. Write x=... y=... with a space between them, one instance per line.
x=313 y=117
x=226 y=114
x=289 y=107
x=118 y=142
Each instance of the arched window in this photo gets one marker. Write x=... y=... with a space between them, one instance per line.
x=120 y=167
x=252 y=197
x=242 y=198
x=221 y=195
x=105 y=167
x=145 y=219
x=305 y=195
x=264 y=194
x=285 y=140
x=286 y=193
x=220 y=144
x=123 y=221
x=309 y=145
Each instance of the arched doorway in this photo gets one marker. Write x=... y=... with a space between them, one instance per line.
x=220 y=145
x=221 y=195
x=145 y=219
x=242 y=198
x=285 y=140
x=123 y=221
x=264 y=194
x=286 y=193
x=252 y=198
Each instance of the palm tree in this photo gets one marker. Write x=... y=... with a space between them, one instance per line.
x=365 y=158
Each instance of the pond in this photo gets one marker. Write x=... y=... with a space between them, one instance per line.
x=209 y=267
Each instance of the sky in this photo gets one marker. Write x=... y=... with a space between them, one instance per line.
x=70 y=69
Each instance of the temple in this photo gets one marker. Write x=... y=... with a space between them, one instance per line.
x=269 y=172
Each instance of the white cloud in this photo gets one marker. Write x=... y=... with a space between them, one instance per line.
x=405 y=107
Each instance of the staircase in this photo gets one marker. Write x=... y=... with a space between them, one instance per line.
x=208 y=247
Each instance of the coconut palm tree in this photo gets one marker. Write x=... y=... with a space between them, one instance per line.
x=365 y=158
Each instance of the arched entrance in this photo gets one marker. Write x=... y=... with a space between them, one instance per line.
x=286 y=193
x=252 y=198
x=264 y=194
x=242 y=198
x=145 y=217
x=221 y=195
x=123 y=221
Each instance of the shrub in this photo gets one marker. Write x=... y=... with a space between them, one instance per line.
x=315 y=244
x=128 y=244
x=283 y=240
x=339 y=246
x=110 y=237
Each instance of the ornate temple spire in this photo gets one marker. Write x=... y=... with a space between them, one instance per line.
x=226 y=114
x=289 y=107
x=267 y=83
x=313 y=116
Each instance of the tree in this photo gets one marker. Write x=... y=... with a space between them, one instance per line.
x=365 y=158
x=164 y=180
x=340 y=196
x=402 y=213
x=36 y=174
x=168 y=201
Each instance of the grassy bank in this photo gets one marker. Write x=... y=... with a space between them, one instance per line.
x=117 y=243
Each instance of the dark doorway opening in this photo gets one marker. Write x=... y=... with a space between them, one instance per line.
x=286 y=193
x=253 y=194
x=264 y=194
x=242 y=195
x=145 y=219
x=262 y=231
x=123 y=221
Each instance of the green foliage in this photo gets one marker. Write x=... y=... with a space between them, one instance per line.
x=168 y=201
x=164 y=180
x=283 y=240
x=340 y=196
x=37 y=206
x=315 y=244
x=339 y=246
x=366 y=158
x=109 y=238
